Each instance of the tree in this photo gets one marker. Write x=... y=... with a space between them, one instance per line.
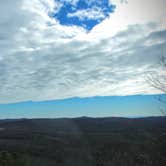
x=158 y=81
x=13 y=159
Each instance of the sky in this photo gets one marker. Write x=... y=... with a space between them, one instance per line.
x=111 y=106
x=58 y=51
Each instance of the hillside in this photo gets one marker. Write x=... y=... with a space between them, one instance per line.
x=83 y=141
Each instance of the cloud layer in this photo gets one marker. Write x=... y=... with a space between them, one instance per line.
x=41 y=59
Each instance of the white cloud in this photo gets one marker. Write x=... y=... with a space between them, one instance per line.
x=94 y=14
x=73 y=2
x=133 y=12
x=41 y=59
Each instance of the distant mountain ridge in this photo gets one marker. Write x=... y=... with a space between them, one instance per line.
x=85 y=141
x=85 y=124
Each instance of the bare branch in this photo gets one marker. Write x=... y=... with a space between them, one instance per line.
x=159 y=82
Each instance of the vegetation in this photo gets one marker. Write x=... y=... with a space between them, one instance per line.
x=13 y=159
x=83 y=141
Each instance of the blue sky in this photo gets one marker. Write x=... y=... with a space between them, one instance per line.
x=126 y=106
x=68 y=13
x=61 y=54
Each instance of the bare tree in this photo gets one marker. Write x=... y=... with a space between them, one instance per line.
x=158 y=81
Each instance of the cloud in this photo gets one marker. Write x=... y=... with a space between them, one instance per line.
x=94 y=14
x=41 y=59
